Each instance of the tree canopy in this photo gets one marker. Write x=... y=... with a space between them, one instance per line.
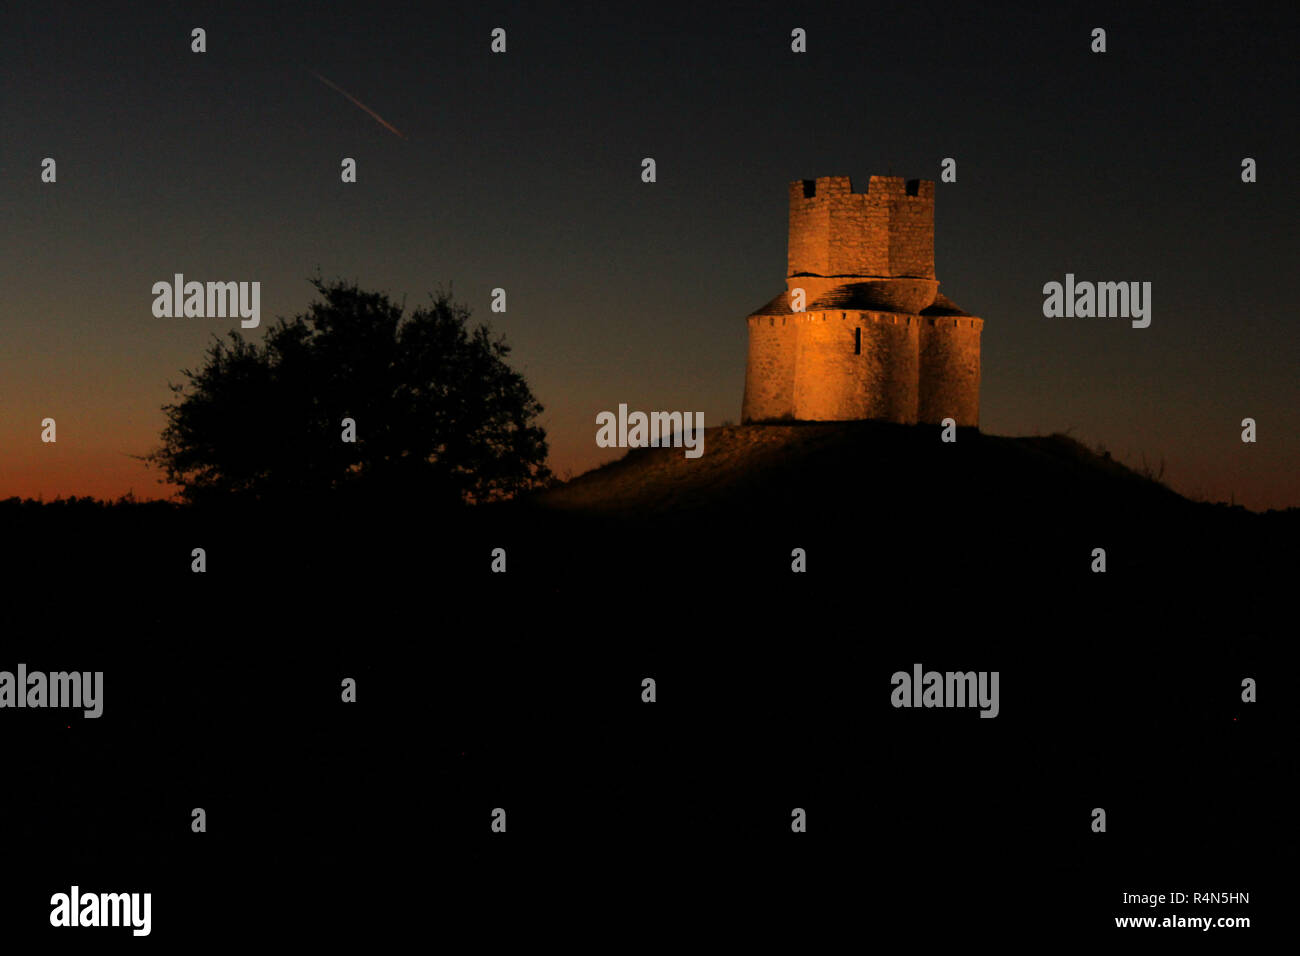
x=439 y=415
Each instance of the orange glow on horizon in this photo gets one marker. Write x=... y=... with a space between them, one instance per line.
x=58 y=473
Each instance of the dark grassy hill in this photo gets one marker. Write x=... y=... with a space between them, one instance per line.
x=888 y=498
x=522 y=690
x=779 y=465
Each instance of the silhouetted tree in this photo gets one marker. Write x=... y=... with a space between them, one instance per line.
x=440 y=417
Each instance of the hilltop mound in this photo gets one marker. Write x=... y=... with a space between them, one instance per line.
x=880 y=498
x=803 y=466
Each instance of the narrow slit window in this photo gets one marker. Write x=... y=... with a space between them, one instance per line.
x=857 y=341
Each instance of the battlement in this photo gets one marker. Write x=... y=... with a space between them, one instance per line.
x=885 y=232
x=824 y=187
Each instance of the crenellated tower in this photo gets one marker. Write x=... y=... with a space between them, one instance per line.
x=861 y=330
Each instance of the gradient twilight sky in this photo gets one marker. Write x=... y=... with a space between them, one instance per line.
x=522 y=171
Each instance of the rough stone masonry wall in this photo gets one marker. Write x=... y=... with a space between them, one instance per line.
x=886 y=231
x=833 y=383
x=769 y=373
x=949 y=369
x=858 y=234
x=809 y=227
x=911 y=235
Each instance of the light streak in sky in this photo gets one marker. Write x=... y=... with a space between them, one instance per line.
x=383 y=122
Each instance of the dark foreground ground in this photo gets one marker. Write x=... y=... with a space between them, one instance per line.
x=625 y=821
